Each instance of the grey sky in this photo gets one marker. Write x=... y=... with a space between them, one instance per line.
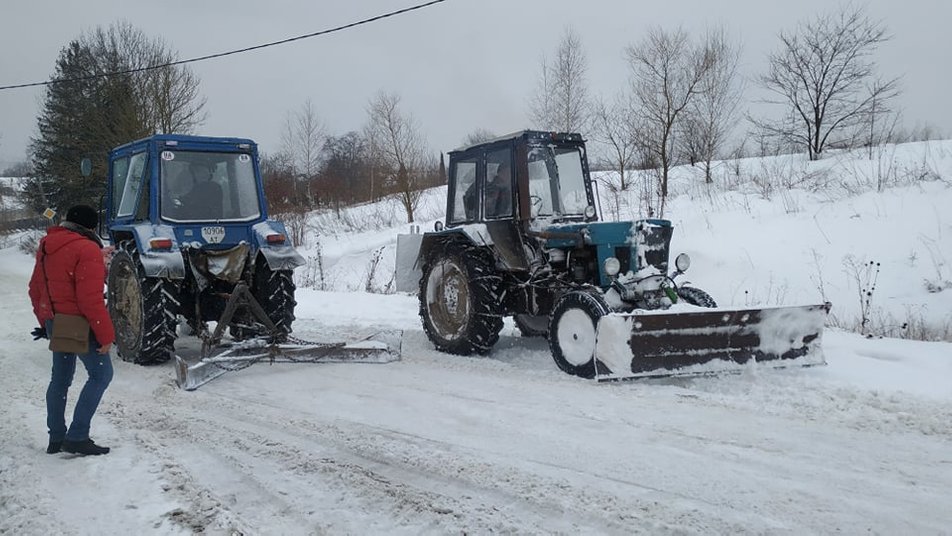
x=458 y=66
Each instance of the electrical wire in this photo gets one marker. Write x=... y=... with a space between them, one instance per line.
x=228 y=53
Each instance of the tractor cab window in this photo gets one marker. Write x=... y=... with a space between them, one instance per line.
x=464 y=195
x=497 y=195
x=198 y=186
x=556 y=182
x=127 y=181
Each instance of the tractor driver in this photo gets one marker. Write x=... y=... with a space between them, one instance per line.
x=498 y=200
x=204 y=200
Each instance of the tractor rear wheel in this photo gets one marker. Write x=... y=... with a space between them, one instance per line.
x=459 y=301
x=274 y=290
x=532 y=325
x=572 y=331
x=143 y=311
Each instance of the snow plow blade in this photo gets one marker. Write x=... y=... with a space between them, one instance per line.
x=381 y=348
x=665 y=343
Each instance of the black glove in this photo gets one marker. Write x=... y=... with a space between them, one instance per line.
x=39 y=333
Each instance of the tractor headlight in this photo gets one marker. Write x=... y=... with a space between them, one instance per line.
x=612 y=266
x=682 y=262
x=590 y=212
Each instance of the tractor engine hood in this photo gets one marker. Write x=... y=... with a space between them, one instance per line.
x=636 y=244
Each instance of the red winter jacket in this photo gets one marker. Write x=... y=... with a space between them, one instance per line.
x=75 y=275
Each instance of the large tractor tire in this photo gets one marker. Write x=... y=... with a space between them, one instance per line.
x=532 y=325
x=274 y=290
x=696 y=296
x=572 y=331
x=459 y=300
x=143 y=310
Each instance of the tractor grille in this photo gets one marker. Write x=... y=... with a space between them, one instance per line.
x=623 y=254
x=654 y=241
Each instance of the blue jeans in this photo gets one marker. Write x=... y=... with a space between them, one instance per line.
x=99 y=368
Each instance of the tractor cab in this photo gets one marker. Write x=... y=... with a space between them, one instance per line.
x=524 y=176
x=186 y=183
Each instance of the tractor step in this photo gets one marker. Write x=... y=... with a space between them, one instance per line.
x=665 y=343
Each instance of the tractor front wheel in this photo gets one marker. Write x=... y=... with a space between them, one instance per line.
x=572 y=331
x=696 y=296
x=143 y=311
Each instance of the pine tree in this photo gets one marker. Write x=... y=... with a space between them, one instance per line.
x=86 y=118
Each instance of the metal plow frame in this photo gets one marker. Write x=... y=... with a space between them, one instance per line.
x=650 y=344
x=190 y=376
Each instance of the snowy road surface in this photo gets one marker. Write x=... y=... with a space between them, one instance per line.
x=440 y=444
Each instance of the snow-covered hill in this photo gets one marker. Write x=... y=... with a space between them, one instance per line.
x=506 y=443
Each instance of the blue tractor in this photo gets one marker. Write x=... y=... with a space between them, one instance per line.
x=522 y=238
x=189 y=222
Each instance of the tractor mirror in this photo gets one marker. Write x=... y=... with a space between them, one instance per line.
x=438 y=226
x=86 y=167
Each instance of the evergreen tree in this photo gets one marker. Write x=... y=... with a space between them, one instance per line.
x=80 y=119
x=89 y=116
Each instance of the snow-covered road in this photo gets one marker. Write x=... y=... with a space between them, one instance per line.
x=502 y=444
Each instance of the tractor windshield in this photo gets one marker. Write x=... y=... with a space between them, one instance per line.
x=556 y=181
x=201 y=186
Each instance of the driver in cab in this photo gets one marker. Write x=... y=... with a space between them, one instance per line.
x=204 y=200
x=498 y=198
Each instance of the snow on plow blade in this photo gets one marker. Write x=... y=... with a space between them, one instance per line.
x=665 y=343
x=382 y=348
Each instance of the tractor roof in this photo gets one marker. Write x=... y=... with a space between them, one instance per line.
x=182 y=138
x=528 y=135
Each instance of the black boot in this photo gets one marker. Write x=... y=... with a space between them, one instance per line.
x=86 y=447
x=54 y=447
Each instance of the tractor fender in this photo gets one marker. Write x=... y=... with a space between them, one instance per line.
x=164 y=263
x=474 y=233
x=414 y=248
x=279 y=256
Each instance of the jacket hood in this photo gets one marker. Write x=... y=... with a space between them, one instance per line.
x=58 y=237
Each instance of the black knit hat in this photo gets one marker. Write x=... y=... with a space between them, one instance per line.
x=84 y=215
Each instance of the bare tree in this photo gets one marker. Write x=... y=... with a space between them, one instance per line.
x=400 y=149
x=667 y=70
x=825 y=75
x=561 y=100
x=302 y=140
x=612 y=129
x=168 y=97
x=478 y=136
x=713 y=113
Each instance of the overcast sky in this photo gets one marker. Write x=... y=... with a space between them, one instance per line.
x=458 y=66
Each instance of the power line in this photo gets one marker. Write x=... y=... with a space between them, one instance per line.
x=228 y=53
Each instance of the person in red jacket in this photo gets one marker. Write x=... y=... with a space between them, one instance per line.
x=68 y=278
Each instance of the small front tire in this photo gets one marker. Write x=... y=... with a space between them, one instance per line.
x=696 y=296
x=572 y=331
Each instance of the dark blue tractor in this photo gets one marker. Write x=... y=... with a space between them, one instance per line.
x=188 y=219
x=522 y=238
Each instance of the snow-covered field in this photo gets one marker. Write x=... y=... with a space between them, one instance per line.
x=506 y=443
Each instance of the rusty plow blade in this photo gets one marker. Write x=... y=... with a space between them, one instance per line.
x=699 y=342
x=382 y=347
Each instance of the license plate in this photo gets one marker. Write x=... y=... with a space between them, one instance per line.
x=213 y=235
